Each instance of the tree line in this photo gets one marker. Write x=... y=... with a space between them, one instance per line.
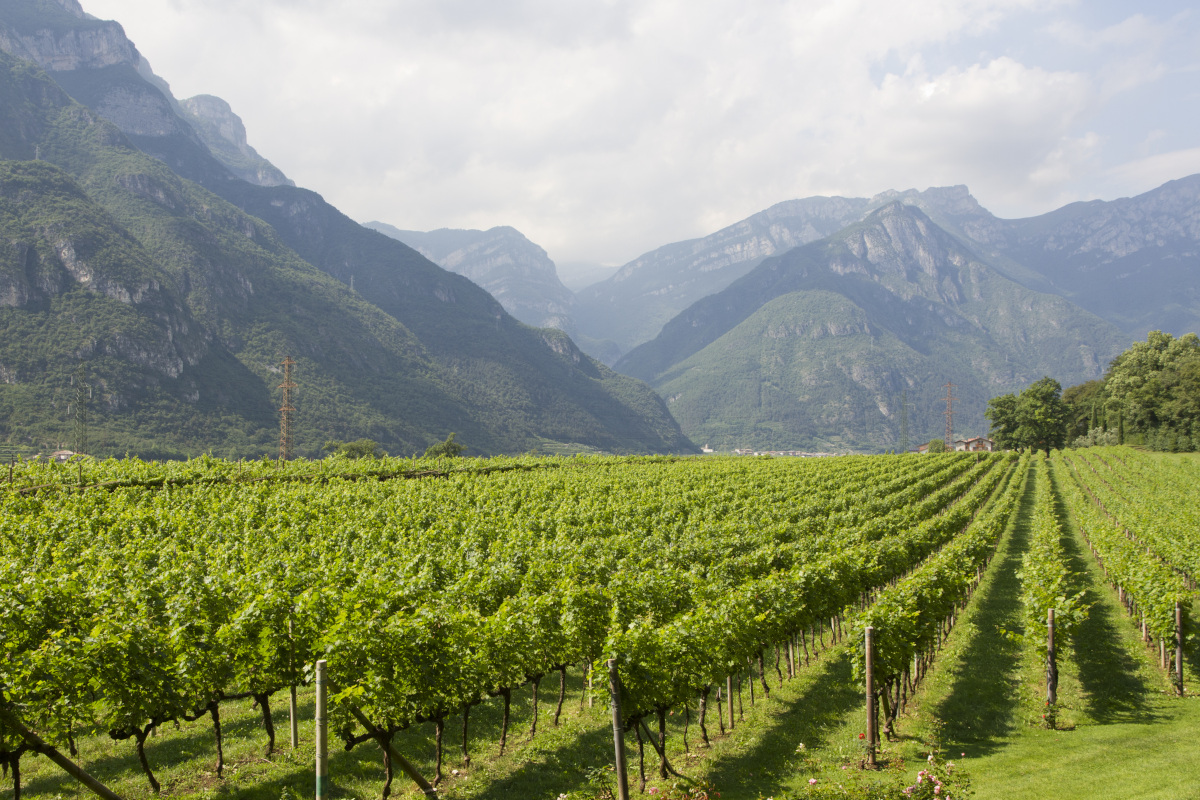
x=1150 y=395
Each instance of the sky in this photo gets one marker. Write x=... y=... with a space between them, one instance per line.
x=602 y=129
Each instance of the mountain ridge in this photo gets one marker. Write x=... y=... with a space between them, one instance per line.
x=920 y=310
x=652 y=288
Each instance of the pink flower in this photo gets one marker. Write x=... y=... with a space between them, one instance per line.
x=812 y=781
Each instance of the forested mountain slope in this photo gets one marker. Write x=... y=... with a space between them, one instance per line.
x=258 y=273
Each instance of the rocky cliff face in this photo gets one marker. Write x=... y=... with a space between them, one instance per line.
x=71 y=45
x=64 y=38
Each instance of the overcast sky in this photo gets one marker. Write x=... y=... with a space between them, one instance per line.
x=604 y=128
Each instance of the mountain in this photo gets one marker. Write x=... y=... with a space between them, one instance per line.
x=815 y=348
x=632 y=306
x=1134 y=261
x=511 y=268
x=225 y=135
x=218 y=279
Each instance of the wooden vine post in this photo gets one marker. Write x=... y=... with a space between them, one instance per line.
x=293 y=717
x=321 y=734
x=1051 y=664
x=869 y=677
x=614 y=691
x=1179 y=647
x=729 y=697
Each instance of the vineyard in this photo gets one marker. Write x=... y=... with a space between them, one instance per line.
x=451 y=599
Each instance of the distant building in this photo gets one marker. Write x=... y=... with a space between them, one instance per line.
x=977 y=444
x=62 y=456
x=706 y=449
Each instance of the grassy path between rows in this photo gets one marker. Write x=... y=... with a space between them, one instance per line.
x=1126 y=734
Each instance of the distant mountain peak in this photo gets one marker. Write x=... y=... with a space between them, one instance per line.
x=514 y=270
x=953 y=202
x=900 y=239
x=225 y=135
x=228 y=124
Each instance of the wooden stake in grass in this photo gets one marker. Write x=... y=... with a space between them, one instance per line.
x=614 y=691
x=392 y=757
x=466 y=723
x=1179 y=648
x=321 y=733
x=869 y=677
x=729 y=697
x=1051 y=666
x=293 y=715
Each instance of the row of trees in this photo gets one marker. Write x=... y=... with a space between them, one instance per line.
x=1149 y=395
x=369 y=448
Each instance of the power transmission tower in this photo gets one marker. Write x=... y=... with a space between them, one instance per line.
x=949 y=387
x=904 y=421
x=286 y=411
x=82 y=396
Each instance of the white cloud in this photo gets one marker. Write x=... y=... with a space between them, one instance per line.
x=1143 y=174
x=604 y=128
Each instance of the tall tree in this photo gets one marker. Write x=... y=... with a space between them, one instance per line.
x=1002 y=413
x=1037 y=418
x=1042 y=415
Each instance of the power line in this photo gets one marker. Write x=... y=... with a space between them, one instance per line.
x=949 y=387
x=286 y=411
